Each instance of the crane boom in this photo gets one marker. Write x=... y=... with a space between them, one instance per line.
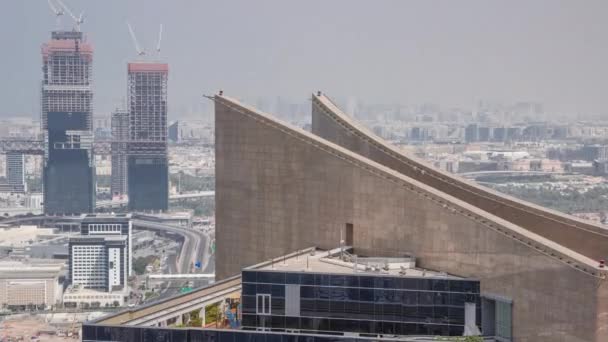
x=57 y=11
x=140 y=52
x=77 y=20
x=67 y=9
x=160 y=37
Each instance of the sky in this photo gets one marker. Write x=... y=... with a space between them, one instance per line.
x=451 y=53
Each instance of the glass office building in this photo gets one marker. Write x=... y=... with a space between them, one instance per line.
x=92 y=333
x=364 y=304
x=314 y=295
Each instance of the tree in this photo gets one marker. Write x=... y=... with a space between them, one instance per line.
x=116 y=303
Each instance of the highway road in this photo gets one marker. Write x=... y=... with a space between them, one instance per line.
x=193 y=249
x=196 y=247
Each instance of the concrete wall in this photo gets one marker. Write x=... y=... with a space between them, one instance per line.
x=279 y=189
x=330 y=123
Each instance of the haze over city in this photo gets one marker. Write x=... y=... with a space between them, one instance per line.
x=450 y=53
x=326 y=171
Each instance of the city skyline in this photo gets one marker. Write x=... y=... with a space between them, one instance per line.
x=453 y=55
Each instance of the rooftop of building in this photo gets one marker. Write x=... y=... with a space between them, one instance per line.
x=81 y=291
x=106 y=215
x=98 y=238
x=30 y=268
x=343 y=261
x=143 y=66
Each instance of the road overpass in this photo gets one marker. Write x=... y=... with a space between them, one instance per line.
x=177 y=197
x=172 y=310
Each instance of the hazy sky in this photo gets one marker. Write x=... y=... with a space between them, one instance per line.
x=453 y=53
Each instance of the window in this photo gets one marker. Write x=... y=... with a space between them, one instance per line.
x=263 y=304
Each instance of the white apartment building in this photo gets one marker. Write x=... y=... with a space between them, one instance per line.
x=99 y=262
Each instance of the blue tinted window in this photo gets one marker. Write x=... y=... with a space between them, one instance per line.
x=425 y=298
x=457 y=299
x=409 y=283
x=307 y=279
x=440 y=298
x=351 y=281
x=425 y=284
x=351 y=309
x=366 y=295
x=292 y=322
x=409 y=297
x=366 y=282
x=456 y=286
x=307 y=292
x=248 y=320
x=292 y=278
x=456 y=315
x=336 y=309
x=248 y=304
x=248 y=289
x=439 y=285
x=277 y=322
x=322 y=307
x=225 y=336
x=470 y=286
x=338 y=293
x=322 y=279
x=336 y=280
x=277 y=277
x=248 y=276
x=263 y=277
x=410 y=313
x=440 y=313
x=367 y=310
x=263 y=288
x=154 y=335
x=307 y=307
x=277 y=291
x=352 y=294
x=323 y=292
x=306 y=323
x=278 y=306
x=321 y=324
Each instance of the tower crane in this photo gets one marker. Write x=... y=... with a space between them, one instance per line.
x=57 y=11
x=160 y=37
x=138 y=49
x=77 y=20
x=141 y=52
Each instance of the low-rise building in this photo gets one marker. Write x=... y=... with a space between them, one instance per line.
x=78 y=296
x=31 y=282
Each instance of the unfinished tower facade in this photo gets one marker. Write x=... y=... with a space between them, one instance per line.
x=120 y=136
x=67 y=95
x=148 y=170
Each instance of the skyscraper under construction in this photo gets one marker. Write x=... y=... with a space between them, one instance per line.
x=69 y=171
x=148 y=169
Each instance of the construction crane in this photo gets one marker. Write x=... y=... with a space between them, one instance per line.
x=160 y=37
x=57 y=11
x=140 y=52
x=77 y=20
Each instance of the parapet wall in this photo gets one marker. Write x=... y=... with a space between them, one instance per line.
x=330 y=123
x=280 y=189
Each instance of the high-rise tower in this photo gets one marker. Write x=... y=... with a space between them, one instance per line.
x=69 y=172
x=120 y=136
x=148 y=170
